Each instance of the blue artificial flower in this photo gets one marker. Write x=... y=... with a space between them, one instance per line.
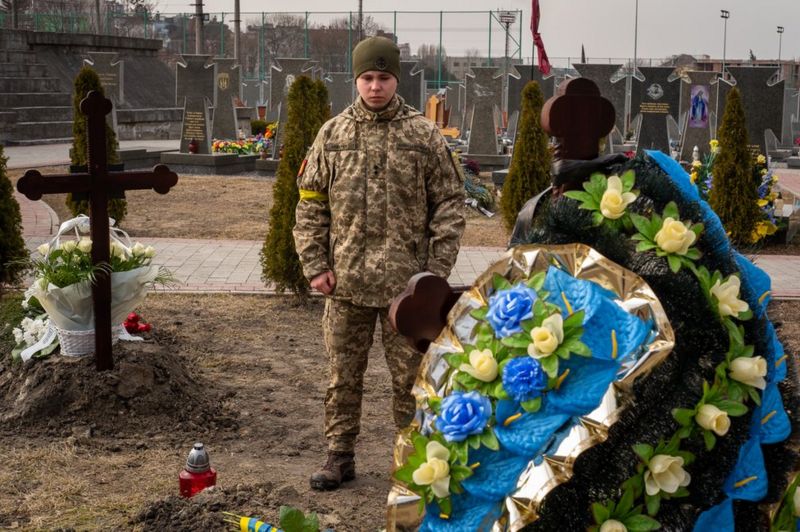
x=463 y=414
x=524 y=379
x=508 y=308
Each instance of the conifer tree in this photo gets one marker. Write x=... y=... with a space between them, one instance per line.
x=529 y=173
x=307 y=105
x=734 y=194
x=88 y=80
x=12 y=247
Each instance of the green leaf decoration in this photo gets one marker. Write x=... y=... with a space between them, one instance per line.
x=674 y=263
x=500 y=283
x=628 y=179
x=644 y=451
x=445 y=506
x=460 y=472
x=537 y=281
x=434 y=403
x=754 y=395
x=404 y=474
x=517 y=340
x=573 y=321
x=733 y=408
x=641 y=523
x=645 y=245
x=625 y=502
x=642 y=225
x=474 y=441
x=550 y=365
x=597 y=218
x=461 y=450
x=693 y=254
x=684 y=416
x=684 y=432
x=579 y=348
x=671 y=211
x=697 y=229
x=653 y=503
x=533 y=405
x=454 y=360
x=489 y=440
x=420 y=443
x=680 y=492
x=709 y=439
x=735 y=333
x=479 y=313
x=600 y=513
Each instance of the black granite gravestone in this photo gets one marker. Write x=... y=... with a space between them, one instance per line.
x=655 y=98
x=457 y=96
x=762 y=101
x=251 y=92
x=519 y=77
x=791 y=111
x=194 y=87
x=611 y=86
x=412 y=84
x=226 y=88
x=111 y=74
x=340 y=90
x=484 y=94
x=697 y=112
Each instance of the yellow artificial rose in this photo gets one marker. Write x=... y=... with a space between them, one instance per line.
x=44 y=249
x=693 y=176
x=675 y=237
x=714 y=145
x=436 y=471
x=727 y=296
x=85 y=245
x=612 y=525
x=69 y=246
x=614 y=201
x=763 y=171
x=696 y=164
x=665 y=473
x=761 y=159
x=482 y=365
x=712 y=418
x=750 y=371
x=547 y=337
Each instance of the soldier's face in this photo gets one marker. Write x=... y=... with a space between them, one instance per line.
x=376 y=88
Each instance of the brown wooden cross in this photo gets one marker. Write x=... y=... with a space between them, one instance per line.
x=99 y=183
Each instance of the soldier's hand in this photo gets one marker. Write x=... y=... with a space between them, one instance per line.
x=324 y=282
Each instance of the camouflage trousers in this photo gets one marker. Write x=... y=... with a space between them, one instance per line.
x=348 y=331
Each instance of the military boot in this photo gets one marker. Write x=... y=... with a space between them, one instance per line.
x=339 y=468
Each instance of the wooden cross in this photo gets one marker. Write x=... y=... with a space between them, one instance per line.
x=99 y=183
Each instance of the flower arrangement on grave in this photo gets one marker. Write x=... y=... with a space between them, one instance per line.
x=30 y=331
x=262 y=142
x=63 y=275
x=531 y=353
x=686 y=448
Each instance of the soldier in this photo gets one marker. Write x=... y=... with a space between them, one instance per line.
x=380 y=200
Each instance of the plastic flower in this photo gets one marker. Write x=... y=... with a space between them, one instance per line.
x=714 y=144
x=524 y=379
x=696 y=165
x=547 y=337
x=117 y=250
x=44 y=249
x=750 y=371
x=482 y=365
x=137 y=249
x=85 y=245
x=463 y=414
x=665 y=473
x=727 y=296
x=761 y=159
x=675 y=237
x=612 y=525
x=69 y=246
x=149 y=252
x=693 y=176
x=508 y=308
x=436 y=471
x=712 y=418
x=614 y=201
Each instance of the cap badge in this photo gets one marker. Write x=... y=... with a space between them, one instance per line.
x=380 y=63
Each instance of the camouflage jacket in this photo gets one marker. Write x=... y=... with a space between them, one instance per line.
x=380 y=200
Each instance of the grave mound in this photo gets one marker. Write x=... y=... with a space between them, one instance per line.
x=150 y=389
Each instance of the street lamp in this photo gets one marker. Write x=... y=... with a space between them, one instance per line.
x=507 y=18
x=725 y=16
x=780 y=37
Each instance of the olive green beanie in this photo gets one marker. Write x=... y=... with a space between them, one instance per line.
x=376 y=53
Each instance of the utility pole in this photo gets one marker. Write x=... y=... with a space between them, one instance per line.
x=360 y=20
x=507 y=18
x=14 y=20
x=97 y=16
x=725 y=15
x=198 y=27
x=237 y=32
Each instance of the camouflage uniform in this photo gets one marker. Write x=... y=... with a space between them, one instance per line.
x=380 y=200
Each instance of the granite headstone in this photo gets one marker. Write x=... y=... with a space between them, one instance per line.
x=611 y=85
x=194 y=88
x=226 y=88
x=655 y=98
x=762 y=101
x=251 y=92
x=412 y=84
x=484 y=90
x=340 y=90
x=111 y=73
x=697 y=110
x=195 y=124
x=791 y=111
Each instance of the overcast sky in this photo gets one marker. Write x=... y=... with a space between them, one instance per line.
x=604 y=27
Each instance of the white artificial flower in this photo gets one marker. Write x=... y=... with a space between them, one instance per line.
x=665 y=473
x=750 y=371
x=436 y=471
x=44 y=249
x=25 y=304
x=29 y=338
x=17 y=332
x=612 y=525
x=727 y=295
x=137 y=249
x=69 y=246
x=675 y=237
x=547 y=337
x=482 y=365
x=149 y=252
x=85 y=245
x=712 y=418
x=614 y=201
x=117 y=250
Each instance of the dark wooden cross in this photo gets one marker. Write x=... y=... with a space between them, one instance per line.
x=99 y=183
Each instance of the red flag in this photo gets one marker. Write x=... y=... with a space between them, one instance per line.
x=544 y=63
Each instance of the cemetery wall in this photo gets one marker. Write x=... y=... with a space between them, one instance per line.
x=148 y=124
